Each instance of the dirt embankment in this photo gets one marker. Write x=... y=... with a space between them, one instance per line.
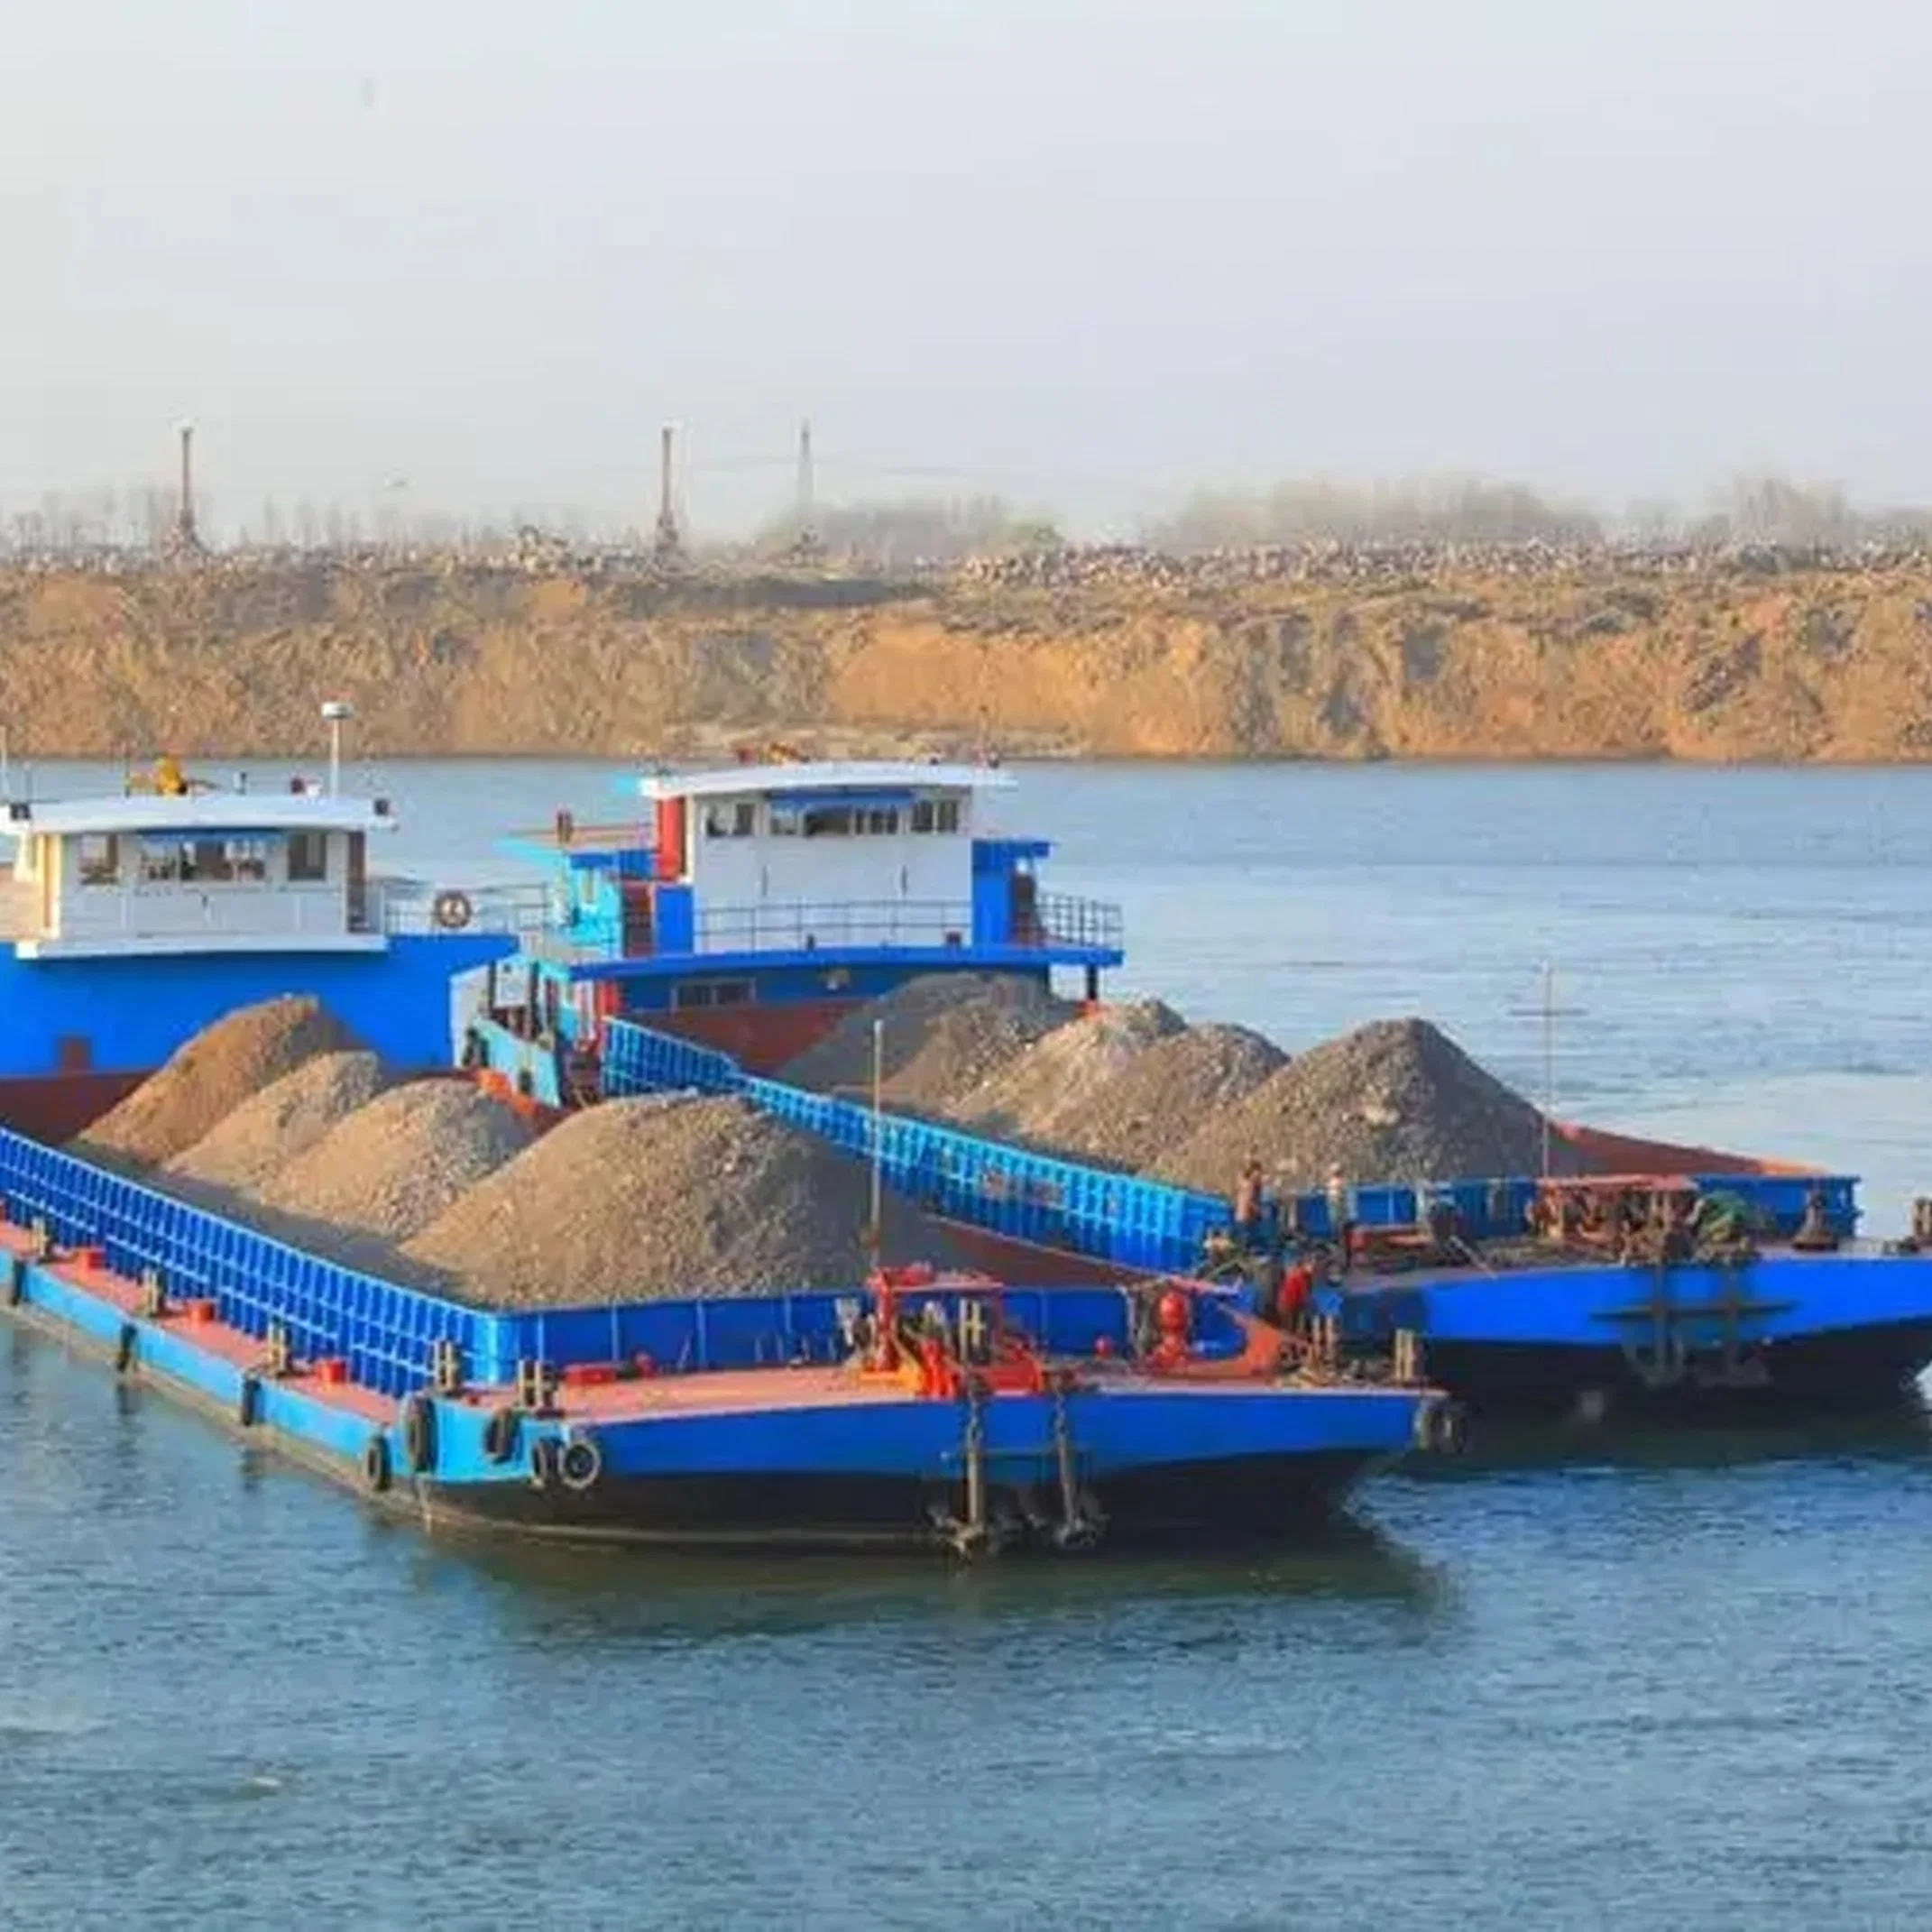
x=1712 y=664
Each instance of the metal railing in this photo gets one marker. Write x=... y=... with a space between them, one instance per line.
x=802 y=925
x=1062 y=919
x=1054 y=920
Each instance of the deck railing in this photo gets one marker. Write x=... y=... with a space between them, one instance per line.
x=1064 y=920
x=1055 y=920
x=804 y=926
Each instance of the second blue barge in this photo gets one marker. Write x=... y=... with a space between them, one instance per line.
x=919 y=1412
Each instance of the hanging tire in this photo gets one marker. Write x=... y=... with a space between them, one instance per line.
x=248 y=1402
x=376 y=1471
x=543 y=1463
x=16 y=1280
x=124 y=1347
x=500 y=1435
x=419 y=1434
x=1446 y=1429
x=581 y=1463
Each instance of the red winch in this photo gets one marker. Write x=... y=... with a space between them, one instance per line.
x=937 y=1332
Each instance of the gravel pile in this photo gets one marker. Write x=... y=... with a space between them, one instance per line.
x=1051 y=1091
x=267 y=1131
x=1397 y=1100
x=945 y=1034
x=1179 y=1085
x=208 y=1077
x=387 y=1170
x=659 y=1197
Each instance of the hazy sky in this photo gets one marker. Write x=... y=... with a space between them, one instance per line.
x=1086 y=253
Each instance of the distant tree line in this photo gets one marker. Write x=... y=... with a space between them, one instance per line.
x=1761 y=510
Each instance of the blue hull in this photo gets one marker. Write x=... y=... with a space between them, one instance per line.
x=1817 y=1330
x=127 y=1016
x=731 y=1454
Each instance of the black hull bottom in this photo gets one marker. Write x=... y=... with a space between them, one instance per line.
x=1258 y=1498
x=1846 y=1369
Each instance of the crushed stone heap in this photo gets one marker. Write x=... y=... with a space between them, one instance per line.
x=385 y=1172
x=1049 y=1092
x=240 y=1154
x=1178 y=1087
x=206 y=1078
x=1395 y=1100
x=945 y=1034
x=659 y=1197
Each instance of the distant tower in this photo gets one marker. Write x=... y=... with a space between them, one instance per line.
x=668 y=544
x=185 y=540
x=806 y=540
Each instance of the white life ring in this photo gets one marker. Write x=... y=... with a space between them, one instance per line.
x=452 y=911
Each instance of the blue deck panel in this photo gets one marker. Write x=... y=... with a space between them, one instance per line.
x=133 y=1013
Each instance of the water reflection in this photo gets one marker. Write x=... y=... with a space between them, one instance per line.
x=1901 y=1431
x=640 y=1589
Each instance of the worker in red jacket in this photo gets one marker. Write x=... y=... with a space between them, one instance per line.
x=1298 y=1289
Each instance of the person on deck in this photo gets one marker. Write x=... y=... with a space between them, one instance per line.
x=1247 y=1205
x=1298 y=1288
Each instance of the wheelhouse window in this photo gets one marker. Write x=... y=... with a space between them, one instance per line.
x=730 y=818
x=246 y=860
x=308 y=858
x=98 y=858
x=877 y=821
x=689 y=993
x=936 y=814
x=828 y=822
x=787 y=821
x=162 y=861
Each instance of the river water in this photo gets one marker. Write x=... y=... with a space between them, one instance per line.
x=1668 y=1679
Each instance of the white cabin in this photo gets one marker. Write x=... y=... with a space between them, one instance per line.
x=831 y=853
x=199 y=872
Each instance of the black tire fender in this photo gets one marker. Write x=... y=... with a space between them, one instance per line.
x=377 y=1474
x=419 y=1434
x=580 y=1463
x=125 y=1345
x=248 y=1401
x=500 y=1435
x=544 y=1462
x=1445 y=1428
x=16 y=1280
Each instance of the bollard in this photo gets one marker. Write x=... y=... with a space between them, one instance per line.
x=446 y=1367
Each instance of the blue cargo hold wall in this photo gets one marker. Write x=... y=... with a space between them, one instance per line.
x=127 y=1016
x=387 y=1334
x=1142 y=1225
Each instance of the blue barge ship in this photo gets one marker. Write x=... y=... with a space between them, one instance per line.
x=1525 y=1291
x=710 y=937
x=128 y=923
x=923 y=1411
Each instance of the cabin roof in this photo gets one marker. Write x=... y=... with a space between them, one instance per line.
x=841 y=775
x=236 y=812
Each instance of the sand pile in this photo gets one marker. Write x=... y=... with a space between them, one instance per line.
x=385 y=1172
x=1179 y=1086
x=661 y=1197
x=945 y=1034
x=210 y=1076
x=267 y=1131
x=1397 y=1100
x=1048 y=1091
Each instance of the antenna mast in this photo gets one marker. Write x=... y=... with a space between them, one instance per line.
x=668 y=544
x=805 y=539
x=185 y=539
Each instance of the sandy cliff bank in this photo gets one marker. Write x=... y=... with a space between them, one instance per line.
x=1711 y=665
